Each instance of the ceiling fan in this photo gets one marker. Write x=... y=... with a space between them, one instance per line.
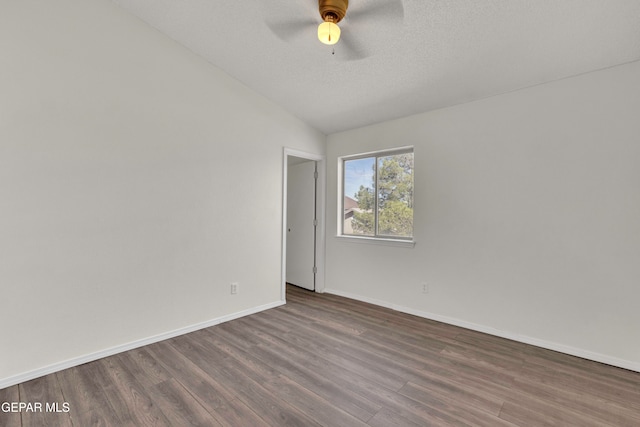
x=364 y=17
x=331 y=12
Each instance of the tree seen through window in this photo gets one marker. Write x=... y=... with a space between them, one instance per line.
x=382 y=207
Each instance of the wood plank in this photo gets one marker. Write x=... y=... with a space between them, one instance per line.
x=145 y=368
x=133 y=398
x=349 y=356
x=328 y=385
x=354 y=392
x=456 y=409
x=87 y=397
x=45 y=391
x=10 y=395
x=481 y=396
x=179 y=407
x=582 y=399
x=216 y=398
x=381 y=344
x=191 y=376
x=249 y=381
x=371 y=317
x=577 y=377
x=537 y=412
x=318 y=408
x=386 y=418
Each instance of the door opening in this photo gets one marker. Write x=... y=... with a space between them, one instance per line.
x=303 y=221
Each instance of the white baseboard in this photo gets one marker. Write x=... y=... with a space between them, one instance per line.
x=37 y=373
x=585 y=354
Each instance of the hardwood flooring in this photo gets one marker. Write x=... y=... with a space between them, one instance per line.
x=323 y=360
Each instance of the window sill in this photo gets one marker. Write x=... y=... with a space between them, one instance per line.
x=378 y=241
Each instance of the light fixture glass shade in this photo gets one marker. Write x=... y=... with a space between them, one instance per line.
x=328 y=33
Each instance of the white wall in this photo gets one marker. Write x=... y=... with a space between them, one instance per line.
x=137 y=182
x=527 y=216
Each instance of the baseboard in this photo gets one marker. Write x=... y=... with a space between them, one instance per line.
x=584 y=354
x=37 y=373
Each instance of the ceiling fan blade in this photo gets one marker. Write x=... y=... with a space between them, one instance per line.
x=382 y=9
x=353 y=51
x=289 y=30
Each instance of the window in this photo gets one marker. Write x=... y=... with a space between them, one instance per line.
x=377 y=195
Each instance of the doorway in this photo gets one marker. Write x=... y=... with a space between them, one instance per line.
x=303 y=221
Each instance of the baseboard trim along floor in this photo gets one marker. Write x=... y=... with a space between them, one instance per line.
x=596 y=357
x=76 y=361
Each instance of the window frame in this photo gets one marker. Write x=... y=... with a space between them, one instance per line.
x=376 y=237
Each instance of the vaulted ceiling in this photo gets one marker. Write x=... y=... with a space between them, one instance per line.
x=397 y=57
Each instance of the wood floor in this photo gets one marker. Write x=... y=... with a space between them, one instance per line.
x=324 y=360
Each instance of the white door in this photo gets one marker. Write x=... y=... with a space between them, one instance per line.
x=301 y=216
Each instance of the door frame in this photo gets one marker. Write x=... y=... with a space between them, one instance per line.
x=320 y=216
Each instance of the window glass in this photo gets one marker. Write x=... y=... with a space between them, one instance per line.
x=378 y=195
x=395 y=195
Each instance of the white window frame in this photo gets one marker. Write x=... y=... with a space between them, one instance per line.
x=376 y=238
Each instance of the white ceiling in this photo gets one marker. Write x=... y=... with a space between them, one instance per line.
x=412 y=55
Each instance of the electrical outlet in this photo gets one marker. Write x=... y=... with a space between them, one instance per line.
x=425 y=288
x=234 y=288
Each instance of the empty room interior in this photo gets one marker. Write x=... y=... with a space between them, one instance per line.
x=320 y=213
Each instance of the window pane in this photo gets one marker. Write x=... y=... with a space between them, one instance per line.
x=395 y=195
x=378 y=195
x=359 y=201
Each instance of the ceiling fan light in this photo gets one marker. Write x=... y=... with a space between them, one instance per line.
x=328 y=33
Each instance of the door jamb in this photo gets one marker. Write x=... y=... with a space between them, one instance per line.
x=320 y=213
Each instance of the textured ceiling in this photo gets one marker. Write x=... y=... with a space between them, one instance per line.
x=397 y=58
